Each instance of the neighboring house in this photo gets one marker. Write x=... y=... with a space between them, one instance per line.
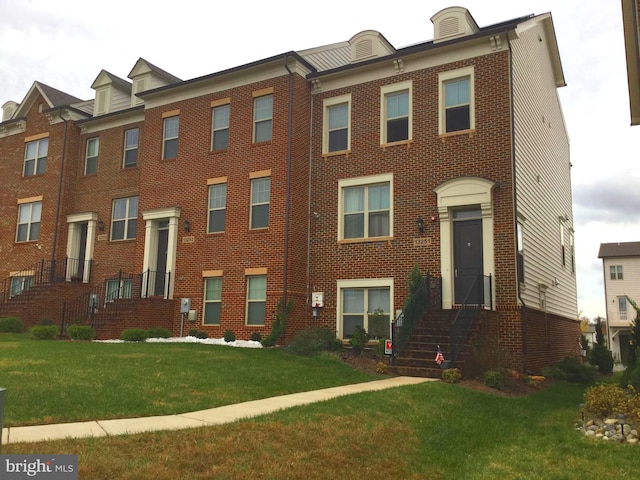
x=621 y=268
x=631 y=25
x=335 y=170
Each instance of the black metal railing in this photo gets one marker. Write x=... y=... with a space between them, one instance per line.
x=466 y=316
x=402 y=327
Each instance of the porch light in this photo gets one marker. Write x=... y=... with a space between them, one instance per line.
x=100 y=225
x=420 y=224
x=187 y=226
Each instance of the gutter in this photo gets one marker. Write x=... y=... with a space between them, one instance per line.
x=287 y=213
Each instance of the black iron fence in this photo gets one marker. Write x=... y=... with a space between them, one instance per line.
x=403 y=326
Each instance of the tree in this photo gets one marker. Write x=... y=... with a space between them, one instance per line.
x=600 y=354
x=633 y=352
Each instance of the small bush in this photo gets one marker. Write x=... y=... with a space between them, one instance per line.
x=451 y=375
x=601 y=357
x=81 y=332
x=554 y=373
x=198 y=333
x=256 y=337
x=310 y=342
x=11 y=325
x=381 y=367
x=158 y=332
x=229 y=336
x=495 y=379
x=631 y=376
x=359 y=339
x=134 y=335
x=605 y=400
x=576 y=372
x=44 y=332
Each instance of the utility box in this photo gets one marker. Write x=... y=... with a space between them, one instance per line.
x=192 y=316
x=185 y=305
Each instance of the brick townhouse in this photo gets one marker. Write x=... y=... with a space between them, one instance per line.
x=323 y=174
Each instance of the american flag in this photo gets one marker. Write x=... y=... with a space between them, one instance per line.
x=439 y=356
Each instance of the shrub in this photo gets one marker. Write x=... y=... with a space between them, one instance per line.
x=605 y=400
x=451 y=375
x=158 y=332
x=631 y=376
x=256 y=337
x=554 y=373
x=576 y=372
x=495 y=379
x=229 y=336
x=378 y=324
x=279 y=324
x=381 y=367
x=134 y=335
x=44 y=332
x=310 y=342
x=81 y=332
x=359 y=339
x=198 y=333
x=600 y=355
x=11 y=325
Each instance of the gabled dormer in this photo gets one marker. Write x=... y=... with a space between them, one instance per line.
x=369 y=44
x=453 y=22
x=146 y=76
x=112 y=93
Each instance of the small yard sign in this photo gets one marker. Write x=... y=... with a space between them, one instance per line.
x=388 y=347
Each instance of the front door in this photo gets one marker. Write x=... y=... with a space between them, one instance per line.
x=83 y=248
x=161 y=265
x=467 y=259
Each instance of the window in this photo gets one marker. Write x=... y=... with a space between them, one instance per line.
x=256 y=299
x=262 y=118
x=131 y=147
x=337 y=118
x=572 y=252
x=368 y=306
x=220 y=122
x=622 y=307
x=118 y=288
x=563 y=254
x=615 y=272
x=35 y=157
x=170 y=139
x=20 y=283
x=520 y=257
x=29 y=221
x=365 y=208
x=212 y=300
x=217 y=207
x=124 y=218
x=395 y=113
x=456 y=101
x=91 y=158
x=260 y=198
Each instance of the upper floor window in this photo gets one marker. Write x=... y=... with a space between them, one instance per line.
x=337 y=120
x=365 y=207
x=220 y=121
x=212 y=300
x=262 y=118
x=91 y=157
x=124 y=218
x=520 y=255
x=170 y=138
x=395 y=113
x=260 y=199
x=29 y=221
x=131 y=147
x=615 y=272
x=622 y=307
x=217 y=207
x=35 y=157
x=457 y=111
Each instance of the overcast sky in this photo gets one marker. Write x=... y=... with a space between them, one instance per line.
x=66 y=43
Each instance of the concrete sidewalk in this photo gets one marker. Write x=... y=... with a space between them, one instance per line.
x=202 y=418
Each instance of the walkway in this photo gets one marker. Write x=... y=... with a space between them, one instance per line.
x=202 y=418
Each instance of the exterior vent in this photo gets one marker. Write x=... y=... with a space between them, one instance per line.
x=8 y=109
x=364 y=49
x=139 y=85
x=453 y=22
x=449 y=26
x=101 y=102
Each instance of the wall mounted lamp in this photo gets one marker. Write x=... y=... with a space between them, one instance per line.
x=100 y=225
x=420 y=224
x=187 y=226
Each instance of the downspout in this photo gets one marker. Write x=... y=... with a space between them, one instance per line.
x=288 y=194
x=515 y=205
x=309 y=198
x=58 y=200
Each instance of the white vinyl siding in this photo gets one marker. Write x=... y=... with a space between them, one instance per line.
x=628 y=268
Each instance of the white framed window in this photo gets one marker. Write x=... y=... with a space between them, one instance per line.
x=622 y=307
x=336 y=132
x=124 y=218
x=262 y=118
x=456 y=100
x=91 y=156
x=520 y=257
x=29 y=221
x=366 y=207
x=20 y=284
x=256 y=299
x=212 y=301
x=116 y=289
x=171 y=128
x=260 y=200
x=220 y=127
x=217 y=207
x=363 y=302
x=35 y=157
x=130 y=148
x=615 y=272
x=396 y=112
